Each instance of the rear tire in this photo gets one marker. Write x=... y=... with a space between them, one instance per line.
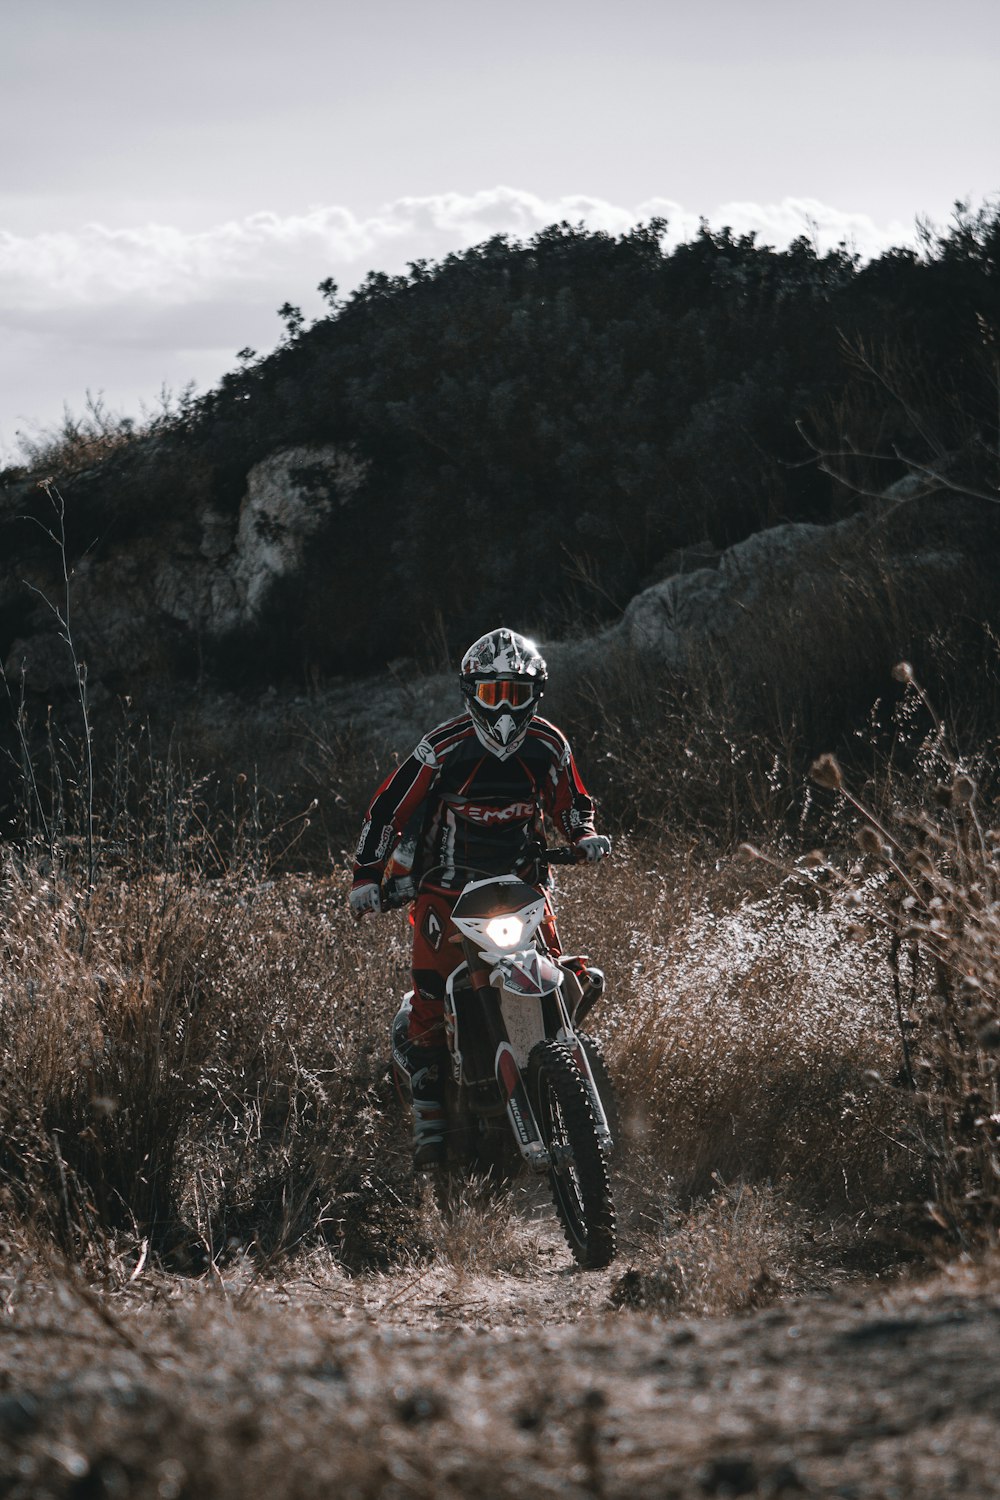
x=578 y=1176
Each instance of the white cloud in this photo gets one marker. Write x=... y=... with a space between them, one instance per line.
x=124 y=310
x=159 y=264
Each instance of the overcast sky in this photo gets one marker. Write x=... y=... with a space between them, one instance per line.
x=171 y=172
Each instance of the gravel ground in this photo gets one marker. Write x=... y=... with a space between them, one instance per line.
x=440 y=1382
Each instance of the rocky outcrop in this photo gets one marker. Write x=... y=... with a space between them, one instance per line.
x=178 y=584
x=289 y=499
x=776 y=607
x=791 y=572
x=687 y=612
x=795 y=632
x=795 y=601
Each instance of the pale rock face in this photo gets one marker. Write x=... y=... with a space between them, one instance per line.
x=225 y=583
x=207 y=585
x=289 y=498
x=767 y=596
x=710 y=604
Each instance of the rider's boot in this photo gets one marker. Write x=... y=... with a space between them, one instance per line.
x=427 y=1074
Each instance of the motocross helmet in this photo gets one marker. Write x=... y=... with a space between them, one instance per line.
x=503 y=676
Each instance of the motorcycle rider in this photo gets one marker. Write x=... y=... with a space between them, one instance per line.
x=473 y=793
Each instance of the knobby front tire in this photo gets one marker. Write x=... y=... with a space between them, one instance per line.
x=581 y=1189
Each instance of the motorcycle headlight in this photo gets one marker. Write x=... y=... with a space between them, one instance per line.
x=504 y=932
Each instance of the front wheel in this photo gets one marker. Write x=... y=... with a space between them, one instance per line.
x=578 y=1176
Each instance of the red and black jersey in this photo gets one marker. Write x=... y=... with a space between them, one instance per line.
x=479 y=814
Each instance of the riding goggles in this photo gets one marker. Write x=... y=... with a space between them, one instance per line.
x=510 y=691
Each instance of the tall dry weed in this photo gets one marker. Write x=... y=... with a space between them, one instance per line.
x=929 y=878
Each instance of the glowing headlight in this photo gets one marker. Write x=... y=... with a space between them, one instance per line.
x=505 y=932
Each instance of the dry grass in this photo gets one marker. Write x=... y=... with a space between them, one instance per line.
x=196 y=1063
x=742 y=1020
x=192 y=1080
x=928 y=881
x=193 y=1052
x=740 y=1249
x=200 y=1064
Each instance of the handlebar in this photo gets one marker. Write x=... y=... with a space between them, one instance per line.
x=400 y=893
x=561 y=856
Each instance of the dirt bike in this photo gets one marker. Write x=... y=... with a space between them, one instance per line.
x=527 y=1087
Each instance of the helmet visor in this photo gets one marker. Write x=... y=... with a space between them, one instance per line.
x=510 y=691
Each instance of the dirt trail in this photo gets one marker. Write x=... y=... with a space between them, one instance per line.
x=447 y=1382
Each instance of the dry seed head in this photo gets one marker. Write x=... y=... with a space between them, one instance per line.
x=963 y=789
x=870 y=843
x=826 y=772
x=903 y=672
x=814 y=859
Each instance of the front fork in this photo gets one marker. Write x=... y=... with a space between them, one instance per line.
x=509 y=1076
x=572 y=1041
x=576 y=1003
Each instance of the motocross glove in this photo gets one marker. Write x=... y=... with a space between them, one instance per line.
x=366 y=897
x=594 y=847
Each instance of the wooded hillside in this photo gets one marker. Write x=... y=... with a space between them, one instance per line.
x=552 y=421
